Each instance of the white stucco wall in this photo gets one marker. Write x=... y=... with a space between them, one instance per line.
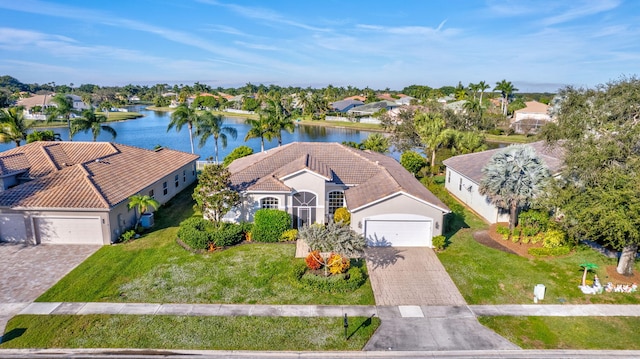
x=466 y=190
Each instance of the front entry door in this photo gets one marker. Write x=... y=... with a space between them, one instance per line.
x=304 y=216
x=304 y=209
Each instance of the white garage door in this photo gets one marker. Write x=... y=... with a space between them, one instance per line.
x=68 y=230
x=398 y=231
x=13 y=228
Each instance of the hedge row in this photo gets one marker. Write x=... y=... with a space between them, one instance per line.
x=198 y=233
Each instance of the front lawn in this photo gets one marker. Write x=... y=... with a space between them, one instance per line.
x=185 y=332
x=156 y=269
x=615 y=333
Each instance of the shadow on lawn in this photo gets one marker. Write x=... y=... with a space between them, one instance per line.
x=365 y=323
x=12 y=334
x=176 y=210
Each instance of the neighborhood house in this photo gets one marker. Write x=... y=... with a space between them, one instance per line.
x=78 y=192
x=310 y=181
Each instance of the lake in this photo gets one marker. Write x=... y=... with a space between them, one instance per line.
x=151 y=130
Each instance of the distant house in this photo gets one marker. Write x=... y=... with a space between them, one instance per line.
x=44 y=101
x=464 y=174
x=78 y=192
x=345 y=105
x=371 y=108
x=456 y=106
x=531 y=118
x=357 y=97
x=404 y=100
x=310 y=181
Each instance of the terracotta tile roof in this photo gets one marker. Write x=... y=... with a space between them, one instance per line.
x=373 y=176
x=87 y=174
x=13 y=163
x=534 y=107
x=470 y=165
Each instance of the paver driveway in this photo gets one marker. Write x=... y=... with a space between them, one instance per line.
x=410 y=276
x=27 y=271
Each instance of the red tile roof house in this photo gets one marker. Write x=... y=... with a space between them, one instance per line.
x=311 y=180
x=78 y=192
x=464 y=174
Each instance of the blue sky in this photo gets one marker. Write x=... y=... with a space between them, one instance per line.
x=538 y=45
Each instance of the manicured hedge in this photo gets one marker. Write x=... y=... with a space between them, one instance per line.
x=198 y=233
x=269 y=225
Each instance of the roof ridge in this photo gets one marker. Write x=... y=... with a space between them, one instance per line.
x=47 y=155
x=94 y=188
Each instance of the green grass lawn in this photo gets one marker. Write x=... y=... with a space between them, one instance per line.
x=185 y=332
x=618 y=333
x=156 y=269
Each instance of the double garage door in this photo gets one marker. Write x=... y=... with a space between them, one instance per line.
x=398 y=230
x=68 y=230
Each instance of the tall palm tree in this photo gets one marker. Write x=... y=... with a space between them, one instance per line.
x=210 y=125
x=13 y=127
x=46 y=135
x=512 y=178
x=506 y=88
x=279 y=118
x=474 y=88
x=63 y=108
x=433 y=133
x=90 y=121
x=482 y=87
x=142 y=204
x=260 y=128
x=184 y=115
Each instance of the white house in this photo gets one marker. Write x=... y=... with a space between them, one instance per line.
x=530 y=118
x=310 y=181
x=464 y=174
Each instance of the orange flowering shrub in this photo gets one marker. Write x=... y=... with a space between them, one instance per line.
x=314 y=260
x=337 y=264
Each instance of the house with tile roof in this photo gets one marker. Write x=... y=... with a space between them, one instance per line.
x=345 y=105
x=78 y=192
x=464 y=174
x=531 y=118
x=311 y=180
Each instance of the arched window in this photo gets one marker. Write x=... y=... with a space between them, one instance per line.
x=269 y=202
x=336 y=200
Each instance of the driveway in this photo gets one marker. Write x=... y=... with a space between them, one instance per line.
x=410 y=276
x=27 y=271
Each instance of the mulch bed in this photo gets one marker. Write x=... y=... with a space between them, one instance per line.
x=492 y=239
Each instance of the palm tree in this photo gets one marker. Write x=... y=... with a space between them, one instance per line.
x=376 y=142
x=47 y=135
x=468 y=142
x=181 y=116
x=506 y=89
x=209 y=125
x=433 y=133
x=587 y=266
x=474 y=88
x=278 y=118
x=142 y=204
x=260 y=128
x=512 y=178
x=482 y=87
x=90 y=121
x=63 y=108
x=13 y=127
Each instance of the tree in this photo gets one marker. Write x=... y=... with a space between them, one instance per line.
x=13 y=127
x=376 y=142
x=238 y=152
x=412 y=161
x=47 y=135
x=260 y=128
x=334 y=237
x=141 y=204
x=63 y=107
x=587 y=266
x=278 y=117
x=513 y=178
x=184 y=115
x=213 y=194
x=210 y=125
x=433 y=133
x=403 y=129
x=90 y=121
x=482 y=87
x=598 y=191
x=468 y=142
x=506 y=89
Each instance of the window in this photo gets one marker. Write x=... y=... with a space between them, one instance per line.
x=448 y=176
x=269 y=202
x=177 y=180
x=151 y=194
x=336 y=200
x=184 y=175
x=460 y=185
x=164 y=188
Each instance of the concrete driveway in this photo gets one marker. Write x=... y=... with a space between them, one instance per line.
x=410 y=276
x=27 y=271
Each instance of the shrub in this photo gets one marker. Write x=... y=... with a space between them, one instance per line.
x=545 y=252
x=337 y=264
x=439 y=242
x=196 y=232
x=515 y=236
x=127 y=236
x=289 y=235
x=333 y=238
x=503 y=231
x=227 y=234
x=554 y=238
x=349 y=281
x=496 y=131
x=314 y=260
x=342 y=215
x=412 y=161
x=533 y=221
x=269 y=224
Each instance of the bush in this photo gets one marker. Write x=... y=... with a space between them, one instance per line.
x=270 y=224
x=227 y=234
x=333 y=238
x=515 y=236
x=554 y=238
x=503 y=231
x=533 y=221
x=343 y=216
x=196 y=232
x=439 y=242
x=349 y=281
x=127 y=236
x=496 y=131
x=546 y=252
x=337 y=264
x=314 y=260
x=289 y=235
x=412 y=161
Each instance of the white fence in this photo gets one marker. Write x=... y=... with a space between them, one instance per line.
x=368 y=119
x=238 y=111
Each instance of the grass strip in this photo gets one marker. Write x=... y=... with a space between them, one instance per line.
x=614 y=333
x=187 y=332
